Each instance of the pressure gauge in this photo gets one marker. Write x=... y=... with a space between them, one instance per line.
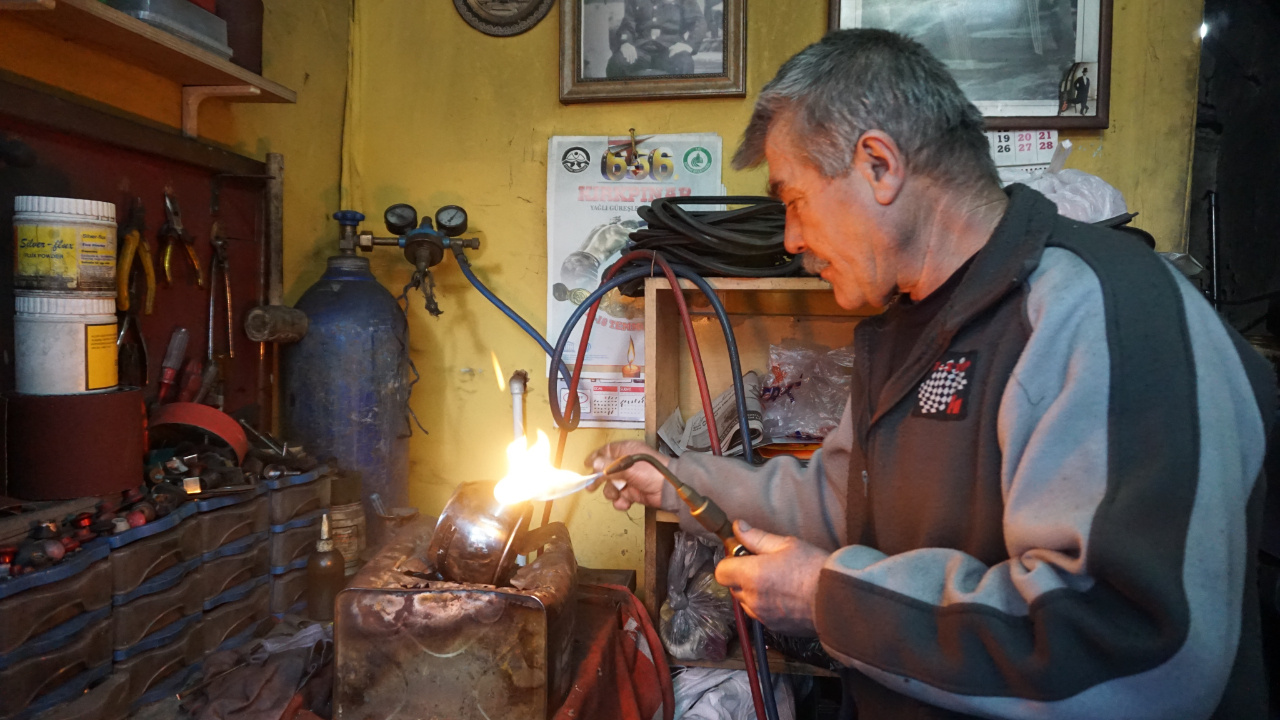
x=400 y=219
x=451 y=220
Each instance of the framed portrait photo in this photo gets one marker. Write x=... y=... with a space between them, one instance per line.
x=651 y=49
x=1026 y=64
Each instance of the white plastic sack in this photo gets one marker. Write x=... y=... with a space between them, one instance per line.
x=1080 y=196
x=716 y=694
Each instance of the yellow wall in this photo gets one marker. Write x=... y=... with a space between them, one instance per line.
x=444 y=114
x=305 y=48
x=440 y=113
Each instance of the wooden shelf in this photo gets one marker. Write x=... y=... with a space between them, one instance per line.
x=91 y=23
x=808 y=297
x=665 y=517
x=778 y=664
x=789 y=284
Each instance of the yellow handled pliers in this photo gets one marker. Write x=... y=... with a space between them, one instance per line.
x=135 y=245
x=172 y=232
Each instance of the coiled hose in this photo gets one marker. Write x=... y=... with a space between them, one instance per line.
x=745 y=241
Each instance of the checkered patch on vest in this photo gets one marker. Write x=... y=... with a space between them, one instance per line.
x=944 y=394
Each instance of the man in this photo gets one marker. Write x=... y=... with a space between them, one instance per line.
x=1082 y=91
x=656 y=37
x=1042 y=500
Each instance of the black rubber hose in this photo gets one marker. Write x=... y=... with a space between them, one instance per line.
x=557 y=352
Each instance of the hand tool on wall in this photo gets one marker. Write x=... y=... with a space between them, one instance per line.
x=172 y=232
x=132 y=354
x=216 y=264
x=217 y=364
x=172 y=361
x=135 y=244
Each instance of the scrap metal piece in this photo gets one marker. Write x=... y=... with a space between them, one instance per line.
x=407 y=646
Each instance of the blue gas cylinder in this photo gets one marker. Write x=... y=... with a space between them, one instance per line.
x=345 y=384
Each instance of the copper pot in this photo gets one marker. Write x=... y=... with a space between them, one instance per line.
x=476 y=537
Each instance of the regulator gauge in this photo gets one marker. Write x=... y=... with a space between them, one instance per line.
x=400 y=219
x=451 y=220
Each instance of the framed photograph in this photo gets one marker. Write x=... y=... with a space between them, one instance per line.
x=1026 y=64
x=651 y=49
x=502 y=18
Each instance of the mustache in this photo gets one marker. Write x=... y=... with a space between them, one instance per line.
x=812 y=263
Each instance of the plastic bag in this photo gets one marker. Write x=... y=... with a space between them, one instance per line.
x=696 y=621
x=715 y=694
x=806 y=391
x=1080 y=196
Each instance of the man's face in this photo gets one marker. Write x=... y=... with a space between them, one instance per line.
x=835 y=220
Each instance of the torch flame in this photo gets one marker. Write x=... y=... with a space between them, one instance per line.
x=497 y=372
x=530 y=475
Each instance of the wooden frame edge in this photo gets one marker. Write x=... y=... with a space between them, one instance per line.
x=576 y=90
x=1099 y=121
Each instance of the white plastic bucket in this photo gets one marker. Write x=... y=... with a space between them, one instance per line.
x=64 y=244
x=64 y=342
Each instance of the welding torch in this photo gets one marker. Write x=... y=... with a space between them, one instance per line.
x=707 y=513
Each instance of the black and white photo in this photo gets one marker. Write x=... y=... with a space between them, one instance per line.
x=1022 y=62
x=638 y=49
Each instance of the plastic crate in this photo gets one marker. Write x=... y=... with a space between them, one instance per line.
x=297 y=495
x=155 y=620
x=289 y=593
x=42 y=607
x=224 y=523
x=155 y=672
x=41 y=682
x=227 y=573
x=107 y=700
x=293 y=542
x=235 y=623
x=139 y=559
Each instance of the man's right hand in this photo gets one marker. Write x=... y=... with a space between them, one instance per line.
x=628 y=52
x=643 y=481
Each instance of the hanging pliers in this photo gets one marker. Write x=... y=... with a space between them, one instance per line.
x=135 y=245
x=172 y=232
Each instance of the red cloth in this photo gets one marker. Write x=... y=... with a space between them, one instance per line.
x=622 y=673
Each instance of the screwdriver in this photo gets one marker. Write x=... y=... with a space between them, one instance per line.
x=172 y=361
x=707 y=513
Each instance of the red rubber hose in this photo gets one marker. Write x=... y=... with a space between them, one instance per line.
x=694 y=353
x=740 y=619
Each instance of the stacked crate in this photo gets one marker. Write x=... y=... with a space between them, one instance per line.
x=156 y=603
x=296 y=504
x=234 y=531
x=55 y=637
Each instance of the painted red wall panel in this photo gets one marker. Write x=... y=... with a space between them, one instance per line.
x=69 y=166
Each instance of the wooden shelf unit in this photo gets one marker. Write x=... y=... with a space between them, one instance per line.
x=92 y=23
x=762 y=312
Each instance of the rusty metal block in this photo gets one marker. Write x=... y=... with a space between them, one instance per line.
x=410 y=647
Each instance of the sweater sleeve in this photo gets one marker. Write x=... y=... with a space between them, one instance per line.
x=781 y=496
x=1132 y=445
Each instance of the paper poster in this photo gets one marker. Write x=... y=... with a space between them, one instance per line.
x=594 y=186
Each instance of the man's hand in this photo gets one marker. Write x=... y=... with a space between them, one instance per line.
x=643 y=481
x=777 y=585
x=628 y=52
x=679 y=48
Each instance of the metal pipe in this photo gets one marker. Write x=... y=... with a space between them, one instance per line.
x=1213 y=250
x=518 y=384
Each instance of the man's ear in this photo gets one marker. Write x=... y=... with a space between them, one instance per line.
x=879 y=160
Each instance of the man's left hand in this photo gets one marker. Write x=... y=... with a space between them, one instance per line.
x=777 y=585
x=679 y=48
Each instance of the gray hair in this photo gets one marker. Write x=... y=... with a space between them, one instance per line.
x=853 y=81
